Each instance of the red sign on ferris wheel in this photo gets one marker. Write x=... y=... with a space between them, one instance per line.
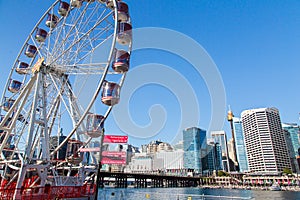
x=113 y=160
x=114 y=154
x=115 y=139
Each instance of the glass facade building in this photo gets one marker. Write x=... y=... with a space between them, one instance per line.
x=294 y=130
x=240 y=144
x=213 y=159
x=220 y=138
x=194 y=141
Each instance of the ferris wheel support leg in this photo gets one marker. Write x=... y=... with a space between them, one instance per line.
x=32 y=119
x=23 y=96
x=44 y=133
x=21 y=178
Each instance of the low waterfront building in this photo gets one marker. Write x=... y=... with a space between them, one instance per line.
x=156 y=146
x=268 y=180
x=140 y=163
x=168 y=160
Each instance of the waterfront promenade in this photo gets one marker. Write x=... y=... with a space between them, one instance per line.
x=292 y=188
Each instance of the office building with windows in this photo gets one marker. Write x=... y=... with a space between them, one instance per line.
x=194 y=143
x=240 y=144
x=212 y=160
x=294 y=130
x=220 y=138
x=265 y=141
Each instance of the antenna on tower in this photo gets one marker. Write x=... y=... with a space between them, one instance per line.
x=229 y=114
x=230 y=119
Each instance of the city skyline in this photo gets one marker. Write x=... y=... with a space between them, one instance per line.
x=254 y=44
x=264 y=146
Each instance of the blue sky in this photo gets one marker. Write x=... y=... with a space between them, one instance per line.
x=254 y=44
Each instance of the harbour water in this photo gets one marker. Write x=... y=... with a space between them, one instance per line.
x=192 y=194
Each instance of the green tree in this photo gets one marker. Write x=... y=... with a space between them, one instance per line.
x=222 y=173
x=287 y=171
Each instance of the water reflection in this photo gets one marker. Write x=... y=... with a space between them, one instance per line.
x=192 y=194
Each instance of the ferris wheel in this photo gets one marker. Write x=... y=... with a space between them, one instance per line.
x=63 y=84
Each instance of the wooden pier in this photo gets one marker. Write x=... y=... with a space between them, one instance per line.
x=124 y=180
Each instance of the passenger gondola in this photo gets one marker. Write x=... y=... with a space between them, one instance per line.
x=110 y=4
x=123 y=14
x=63 y=8
x=30 y=51
x=121 y=61
x=73 y=154
x=22 y=68
x=76 y=3
x=8 y=103
x=95 y=125
x=124 y=35
x=110 y=93
x=52 y=20
x=41 y=35
x=14 y=86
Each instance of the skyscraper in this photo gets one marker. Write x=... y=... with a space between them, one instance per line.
x=212 y=161
x=240 y=144
x=194 y=140
x=221 y=139
x=265 y=143
x=294 y=131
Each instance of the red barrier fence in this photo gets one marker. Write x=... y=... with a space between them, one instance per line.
x=48 y=192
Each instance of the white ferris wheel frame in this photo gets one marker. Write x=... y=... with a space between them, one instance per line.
x=35 y=84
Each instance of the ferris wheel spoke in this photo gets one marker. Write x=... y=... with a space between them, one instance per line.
x=69 y=99
x=85 y=21
x=58 y=33
x=79 y=40
x=84 y=68
x=88 y=43
x=77 y=109
x=61 y=94
x=59 y=45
